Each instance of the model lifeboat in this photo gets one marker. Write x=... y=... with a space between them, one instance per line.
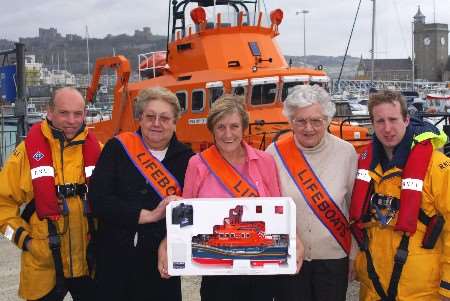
x=240 y=240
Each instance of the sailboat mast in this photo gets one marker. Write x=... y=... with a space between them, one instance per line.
x=413 y=75
x=87 y=51
x=373 y=43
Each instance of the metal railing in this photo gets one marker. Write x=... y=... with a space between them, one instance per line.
x=365 y=85
x=151 y=58
x=7 y=143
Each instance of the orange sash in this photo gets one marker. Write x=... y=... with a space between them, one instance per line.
x=236 y=184
x=314 y=193
x=161 y=180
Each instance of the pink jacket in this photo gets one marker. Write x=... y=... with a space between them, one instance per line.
x=262 y=171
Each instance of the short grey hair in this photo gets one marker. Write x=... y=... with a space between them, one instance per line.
x=156 y=93
x=302 y=96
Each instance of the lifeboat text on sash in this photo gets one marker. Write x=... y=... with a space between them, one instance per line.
x=161 y=180
x=314 y=193
x=236 y=184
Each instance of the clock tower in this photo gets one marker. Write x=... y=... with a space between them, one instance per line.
x=430 y=48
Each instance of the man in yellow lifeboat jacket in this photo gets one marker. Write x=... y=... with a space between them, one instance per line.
x=63 y=141
x=395 y=237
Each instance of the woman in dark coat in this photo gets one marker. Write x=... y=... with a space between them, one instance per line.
x=129 y=193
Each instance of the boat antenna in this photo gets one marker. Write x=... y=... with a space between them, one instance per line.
x=168 y=33
x=254 y=14
x=265 y=12
x=372 y=51
x=348 y=43
x=413 y=75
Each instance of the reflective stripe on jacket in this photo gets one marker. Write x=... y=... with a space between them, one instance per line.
x=37 y=275
x=426 y=273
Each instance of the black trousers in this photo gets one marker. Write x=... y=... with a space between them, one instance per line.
x=318 y=280
x=81 y=289
x=149 y=286
x=134 y=277
x=237 y=288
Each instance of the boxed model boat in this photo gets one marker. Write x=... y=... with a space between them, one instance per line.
x=226 y=236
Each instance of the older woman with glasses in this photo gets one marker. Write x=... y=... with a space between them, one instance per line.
x=317 y=170
x=137 y=175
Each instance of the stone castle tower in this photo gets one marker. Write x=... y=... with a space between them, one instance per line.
x=431 y=48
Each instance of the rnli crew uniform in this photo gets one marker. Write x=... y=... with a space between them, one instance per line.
x=127 y=252
x=423 y=272
x=56 y=258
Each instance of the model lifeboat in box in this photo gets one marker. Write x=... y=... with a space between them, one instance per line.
x=237 y=239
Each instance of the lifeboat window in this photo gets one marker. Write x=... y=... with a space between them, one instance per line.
x=239 y=87
x=215 y=90
x=254 y=48
x=214 y=94
x=226 y=235
x=315 y=83
x=182 y=99
x=240 y=91
x=232 y=235
x=259 y=209
x=320 y=80
x=263 y=94
x=287 y=88
x=198 y=100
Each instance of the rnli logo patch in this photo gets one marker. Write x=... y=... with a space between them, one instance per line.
x=363 y=156
x=38 y=156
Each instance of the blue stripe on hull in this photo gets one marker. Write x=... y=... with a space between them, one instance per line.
x=251 y=253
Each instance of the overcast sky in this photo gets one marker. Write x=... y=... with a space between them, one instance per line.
x=328 y=22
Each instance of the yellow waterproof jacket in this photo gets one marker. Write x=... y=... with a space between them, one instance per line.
x=37 y=276
x=426 y=273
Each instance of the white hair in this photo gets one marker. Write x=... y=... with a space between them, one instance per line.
x=302 y=96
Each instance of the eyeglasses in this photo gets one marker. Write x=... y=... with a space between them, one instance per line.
x=163 y=119
x=316 y=122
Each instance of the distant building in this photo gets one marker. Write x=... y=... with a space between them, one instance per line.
x=73 y=37
x=144 y=33
x=49 y=34
x=431 y=49
x=385 y=69
x=432 y=61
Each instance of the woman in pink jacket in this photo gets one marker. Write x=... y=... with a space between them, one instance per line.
x=205 y=178
x=227 y=122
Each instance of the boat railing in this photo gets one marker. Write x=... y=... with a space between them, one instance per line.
x=440 y=120
x=147 y=63
x=7 y=143
x=359 y=120
x=255 y=130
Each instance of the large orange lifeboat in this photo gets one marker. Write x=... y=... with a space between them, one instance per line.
x=207 y=57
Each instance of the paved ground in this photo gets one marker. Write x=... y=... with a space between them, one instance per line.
x=9 y=277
